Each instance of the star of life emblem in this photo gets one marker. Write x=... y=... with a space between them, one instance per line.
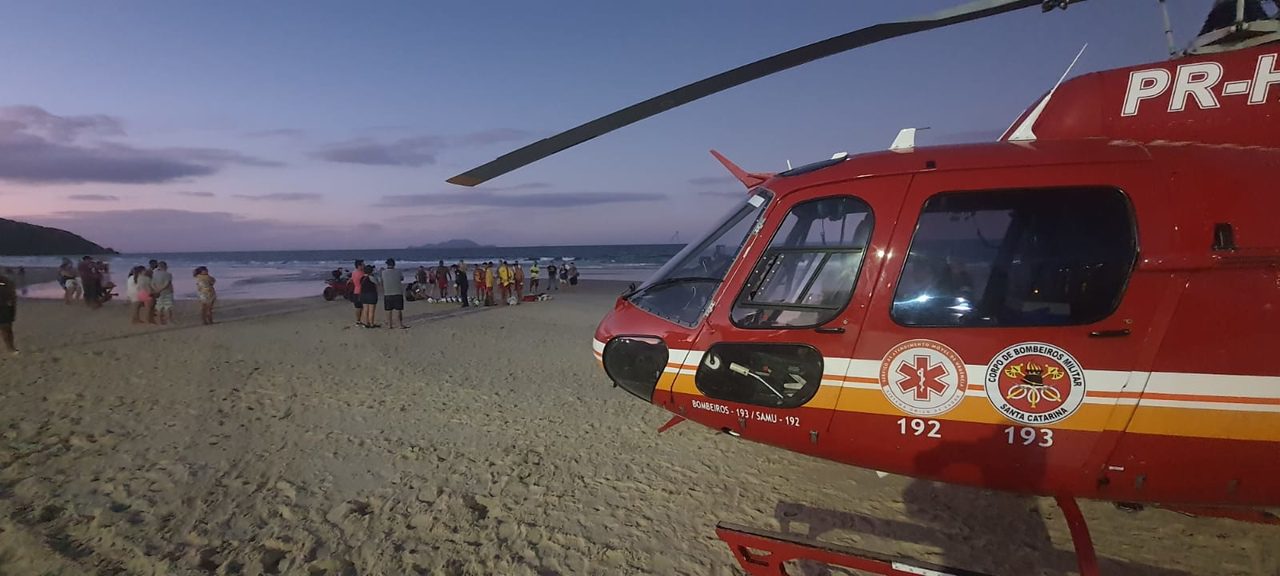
x=923 y=377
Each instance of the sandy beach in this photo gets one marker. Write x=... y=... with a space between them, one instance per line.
x=283 y=440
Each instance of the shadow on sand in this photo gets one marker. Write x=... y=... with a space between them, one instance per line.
x=1000 y=533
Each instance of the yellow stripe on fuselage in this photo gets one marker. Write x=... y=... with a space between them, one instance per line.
x=1095 y=415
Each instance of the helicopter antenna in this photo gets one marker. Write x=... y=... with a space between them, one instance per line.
x=1024 y=133
x=1168 y=30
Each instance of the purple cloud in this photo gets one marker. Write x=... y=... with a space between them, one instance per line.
x=281 y=197
x=486 y=197
x=37 y=147
x=415 y=151
x=164 y=230
x=196 y=194
x=93 y=197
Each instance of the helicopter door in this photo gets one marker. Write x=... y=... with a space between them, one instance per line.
x=769 y=360
x=1005 y=326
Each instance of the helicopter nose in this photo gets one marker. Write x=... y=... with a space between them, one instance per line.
x=635 y=363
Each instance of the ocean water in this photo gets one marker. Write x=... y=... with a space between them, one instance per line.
x=302 y=273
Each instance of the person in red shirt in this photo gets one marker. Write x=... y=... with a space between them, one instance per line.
x=357 y=274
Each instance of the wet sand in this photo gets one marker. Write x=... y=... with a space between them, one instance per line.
x=283 y=440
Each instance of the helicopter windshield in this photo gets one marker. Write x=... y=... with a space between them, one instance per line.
x=682 y=288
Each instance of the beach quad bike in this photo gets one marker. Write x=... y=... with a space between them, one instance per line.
x=336 y=288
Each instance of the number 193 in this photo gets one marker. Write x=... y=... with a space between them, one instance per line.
x=1029 y=436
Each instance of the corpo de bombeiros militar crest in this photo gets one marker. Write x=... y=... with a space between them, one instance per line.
x=1035 y=383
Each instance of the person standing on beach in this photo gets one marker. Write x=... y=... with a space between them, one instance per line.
x=442 y=279
x=131 y=286
x=488 y=284
x=357 y=275
x=573 y=275
x=162 y=287
x=368 y=297
x=393 y=294
x=135 y=302
x=460 y=280
x=533 y=277
x=205 y=291
x=8 y=313
x=504 y=281
x=146 y=306
x=517 y=279
x=553 y=281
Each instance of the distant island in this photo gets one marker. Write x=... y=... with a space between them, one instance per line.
x=455 y=243
x=22 y=239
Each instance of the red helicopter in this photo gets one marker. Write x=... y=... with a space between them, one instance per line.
x=1086 y=308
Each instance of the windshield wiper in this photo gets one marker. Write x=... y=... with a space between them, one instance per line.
x=669 y=281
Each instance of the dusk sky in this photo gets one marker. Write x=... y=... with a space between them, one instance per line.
x=182 y=126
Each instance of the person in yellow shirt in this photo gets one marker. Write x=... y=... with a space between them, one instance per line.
x=488 y=283
x=504 y=279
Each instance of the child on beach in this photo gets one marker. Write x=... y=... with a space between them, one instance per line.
x=208 y=296
x=8 y=312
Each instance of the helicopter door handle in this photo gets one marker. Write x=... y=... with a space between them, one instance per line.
x=1109 y=333
x=826 y=330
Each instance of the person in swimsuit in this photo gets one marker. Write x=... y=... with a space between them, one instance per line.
x=8 y=313
x=205 y=291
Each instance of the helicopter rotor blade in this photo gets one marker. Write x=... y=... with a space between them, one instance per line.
x=741 y=75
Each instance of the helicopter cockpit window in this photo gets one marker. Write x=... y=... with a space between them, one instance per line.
x=1017 y=258
x=809 y=270
x=682 y=288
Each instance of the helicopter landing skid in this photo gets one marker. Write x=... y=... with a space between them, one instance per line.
x=763 y=553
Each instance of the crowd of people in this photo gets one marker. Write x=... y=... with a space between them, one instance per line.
x=503 y=283
x=148 y=290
